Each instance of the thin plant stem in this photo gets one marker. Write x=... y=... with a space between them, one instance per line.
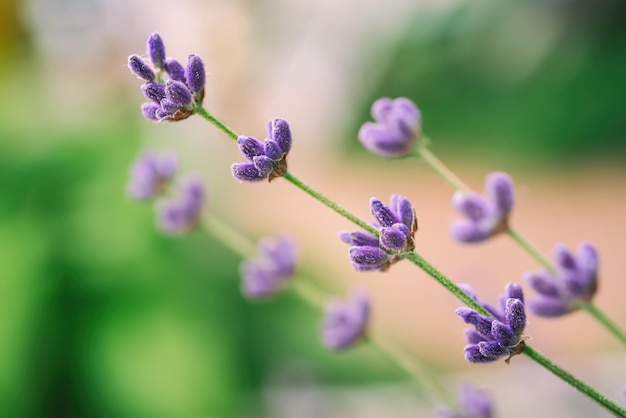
x=604 y=320
x=441 y=169
x=419 y=261
x=218 y=123
x=529 y=248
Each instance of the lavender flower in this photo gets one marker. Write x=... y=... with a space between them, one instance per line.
x=180 y=215
x=575 y=281
x=267 y=274
x=497 y=336
x=396 y=129
x=473 y=403
x=396 y=226
x=150 y=173
x=176 y=98
x=346 y=321
x=485 y=216
x=267 y=160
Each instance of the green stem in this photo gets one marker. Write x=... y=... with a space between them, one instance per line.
x=218 y=124
x=441 y=169
x=604 y=320
x=326 y=201
x=530 y=249
x=575 y=382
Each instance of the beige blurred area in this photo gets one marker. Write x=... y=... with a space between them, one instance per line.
x=301 y=60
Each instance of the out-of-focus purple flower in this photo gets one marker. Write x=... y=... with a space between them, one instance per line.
x=575 y=281
x=156 y=50
x=396 y=226
x=346 y=321
x=150 y=173
x=473 y=403
x=396 y=130
x=267 y=274
x=177 y=97
x=497 y=336
x=485 y=216
x=181 y=214
x=267 y=160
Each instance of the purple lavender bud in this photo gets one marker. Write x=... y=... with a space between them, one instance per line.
x=396 y=129
x=156 y=50
x=181 y=214
x=394 y=238
x=263 y=164
x=169 y=106
x=382 y=213
x=359 y=239
x=175 y=70
x=250 y=147
x=140 y=68
x=148 y=110
x=469 y=232
x=499 y=189
x=368 y=258
x=498 y=336
x=272 y=150
x=267 y=274
x=471 y=205
x=403 y=209
x=162 y=114
x=346 y=321
x=195 y=74
x=178 y=93
x=150 y=173
x=246 y=172
x=153 y=91
x=514 y=291
x=574 y=281
x=280 y=132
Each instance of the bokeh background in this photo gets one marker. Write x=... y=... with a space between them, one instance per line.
x=103 y=316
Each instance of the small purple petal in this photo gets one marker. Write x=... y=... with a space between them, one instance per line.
x=469 y=232
x=246 y=172
x=503 y=334
x=492 y=349
x=368 y=258
x=588 y=258
x=153 y=91
x=281 y=134
x=499 y=188
x=346 y=322
x=162 y=114
x=471 y=205
x=381 y=109
x=477 y=403
x=169 y=106
x=195 y=74
x=403 y=209
x=548 y=307
x=175 y=70
x=481 y=322
x=178 y=93
x=565 y=259
x=272 y=150
x=382 y=213
x=140 y=68
x=473 y=355
x=359 y=239
x=263 y=164
x=156 y=50
x=250 y=147
x=515 y=315
x=542 y=283
x=472 y=336
x=514 y=291
x=393 y=239
x=148 y=110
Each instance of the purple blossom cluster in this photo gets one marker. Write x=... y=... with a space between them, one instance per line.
x=150 y=173
x=396 y=225
x=182 y=213
x=266 y=160
x=396 y=130
x=473 y=403
x=574 y=281
x=346 y=321
x=485 y=216
x=173 y=99
x=267 y=274
x=498 y=335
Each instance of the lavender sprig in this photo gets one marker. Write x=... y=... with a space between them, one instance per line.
x=346 y=321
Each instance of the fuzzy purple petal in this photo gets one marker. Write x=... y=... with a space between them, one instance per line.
x=382 y=213
x=250 y=147
x=503 y=334
x=469 y=232
x=470 y=205
x=281 y=134
x=246 y=172
x=481 y=323
x=499 y=188
x=367 y=258
x=393 y=239
x=346 y=322
x=175 y=70
x=263 y=164
x=272 y=150
x=148 y=110
x=515 y=315
x=178 y=93
x=153 y=91
x=492 y=349
x=195 y=74
x=140 y=68
x=359 y=239
x=543 y=283
x=156 y=50
x=548 y=307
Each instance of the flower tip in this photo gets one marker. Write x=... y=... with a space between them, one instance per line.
x=156 y=50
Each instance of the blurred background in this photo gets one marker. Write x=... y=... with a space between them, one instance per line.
x=103 y=316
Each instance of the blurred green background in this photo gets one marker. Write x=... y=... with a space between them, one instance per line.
x=103 y=316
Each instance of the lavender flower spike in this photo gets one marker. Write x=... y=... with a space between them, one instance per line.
x=267 y=274
x=396 y=130
x=267 y=160
x=346 y=321
x=498 y=336
x=150 y=174
x=396 y=225
x=485 y=216
x=575 y=281
x=180 y=215
x=473 y=403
